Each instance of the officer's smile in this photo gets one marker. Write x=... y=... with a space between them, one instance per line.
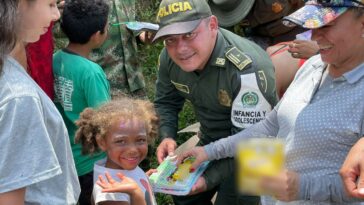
x=187 y=56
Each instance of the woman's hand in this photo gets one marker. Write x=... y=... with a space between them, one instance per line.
x=284 y=187
x=199 y=186
x=352 y=170
x=198 y=153
x=303 y=49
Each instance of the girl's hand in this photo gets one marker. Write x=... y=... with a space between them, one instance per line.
x=283 y=187
x=126 y=185
x=151 y=171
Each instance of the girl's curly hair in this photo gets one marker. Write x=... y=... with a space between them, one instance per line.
x=95 y=123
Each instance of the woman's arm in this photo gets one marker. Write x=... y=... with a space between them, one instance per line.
x=226 y=147
x=15 y=197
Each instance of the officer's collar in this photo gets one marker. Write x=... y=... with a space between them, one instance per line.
x=218 y=54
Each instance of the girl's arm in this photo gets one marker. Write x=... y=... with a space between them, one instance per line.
x=126 y=185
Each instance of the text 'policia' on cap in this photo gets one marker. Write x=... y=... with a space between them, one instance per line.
x=180 y=16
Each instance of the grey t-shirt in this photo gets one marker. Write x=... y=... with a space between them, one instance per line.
x=35 y=147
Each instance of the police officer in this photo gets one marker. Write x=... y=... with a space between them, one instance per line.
x=228 y=79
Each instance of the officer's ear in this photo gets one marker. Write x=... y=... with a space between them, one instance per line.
x=213 y=24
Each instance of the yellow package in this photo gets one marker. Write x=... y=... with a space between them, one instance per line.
x=183 y=170
x=256 y=158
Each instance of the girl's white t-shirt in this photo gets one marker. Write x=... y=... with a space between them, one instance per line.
x=137 y=174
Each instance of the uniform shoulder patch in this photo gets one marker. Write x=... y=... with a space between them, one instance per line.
x=238 y=58
x=181 y=87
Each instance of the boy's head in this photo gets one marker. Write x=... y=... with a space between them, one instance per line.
x=81 y=19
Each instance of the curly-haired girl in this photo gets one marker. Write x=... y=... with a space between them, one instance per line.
x=122 y=128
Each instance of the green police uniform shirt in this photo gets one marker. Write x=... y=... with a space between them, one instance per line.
x=235 y=90
x=79 y=83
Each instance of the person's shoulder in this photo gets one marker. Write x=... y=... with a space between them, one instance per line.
x=238 y=58
x=15 y=83
x=310 y=65
x=139 y=170
x=164 y=55
x=164 y=60
x=243 y=52
x=93 y=71
x=67 y=58
x=238 y=41
x=85 y=65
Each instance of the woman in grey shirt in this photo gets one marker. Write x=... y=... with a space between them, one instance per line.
x=36 y=164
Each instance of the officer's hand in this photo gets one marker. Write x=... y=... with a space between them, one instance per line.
x=199 y=186
x=198 y=153
x=352 y=170
x=166 y=148
x=146 y=37
x=303 y=49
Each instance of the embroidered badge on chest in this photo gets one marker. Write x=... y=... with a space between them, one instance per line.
x=263 y=81
x=224 y=98
x=220 y=61
x=249 y=99
x=181 y=87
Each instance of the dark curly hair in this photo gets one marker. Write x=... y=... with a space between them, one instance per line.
x=83 y=18
x=95 y=123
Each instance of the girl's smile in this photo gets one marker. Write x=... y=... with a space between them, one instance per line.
x=125 y=144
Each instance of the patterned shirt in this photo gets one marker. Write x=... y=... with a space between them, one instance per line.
x=118 y=54
x=320 y=118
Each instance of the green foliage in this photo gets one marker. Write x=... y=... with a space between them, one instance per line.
x=147 y=9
